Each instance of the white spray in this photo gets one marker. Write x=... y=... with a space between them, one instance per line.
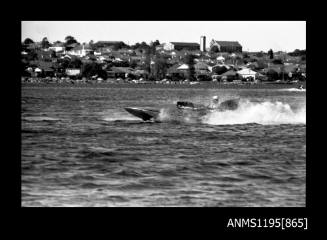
x=261 y=113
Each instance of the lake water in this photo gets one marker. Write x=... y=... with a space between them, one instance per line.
x=81 y=148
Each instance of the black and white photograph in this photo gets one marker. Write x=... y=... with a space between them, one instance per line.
x=163 y=113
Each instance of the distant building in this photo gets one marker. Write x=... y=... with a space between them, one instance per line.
x=247 y=73
x=73 y=71
x=203 y=43
x=225 y=46
x=182 y=46
x=44 y=55
x=160 y=47
x=79 y=50
x=57 y=48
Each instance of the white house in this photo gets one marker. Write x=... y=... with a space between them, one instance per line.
x=79 y=50
x=73 y=71
x=183 y=67
x=246 y=73
x=57 y=48
x=221 y=59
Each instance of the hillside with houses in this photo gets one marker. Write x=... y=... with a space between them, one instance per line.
x=116 y=61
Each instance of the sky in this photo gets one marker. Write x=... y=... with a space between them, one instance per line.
x=252 y=35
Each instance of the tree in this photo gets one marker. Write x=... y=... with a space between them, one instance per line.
x=297 y=52
x=53 y=54
x=156 y=43
x=133 y=64
x=189 y=60
x=147 y=64
x=271 y=54
x=160 y=67
x=92 y=69
x=70 y=40
x=214 y=49
x=75 y=63
x=28 y=41
x=118 y=46
x=141 y=45
x=135 y=46
x=153 y=45
x=277 y=61
x=272 y=75
x=259 y=54
x=45 y=43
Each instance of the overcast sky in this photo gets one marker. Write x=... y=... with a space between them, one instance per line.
x=252 y=35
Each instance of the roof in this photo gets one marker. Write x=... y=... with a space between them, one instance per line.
x=80 y=47
x=290 y=68
x=33 y=46
x=141 y=71
x=186 y=44
x=183 y=67
x=229 y=73
x=173 y=69
x=246 y=71
x=228 y=43
x=45 y=66
x=272 y=69
x=72 y=45
x=58 y=44
x=122 y=69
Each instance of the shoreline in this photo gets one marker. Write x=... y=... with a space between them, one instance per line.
x=213 y=85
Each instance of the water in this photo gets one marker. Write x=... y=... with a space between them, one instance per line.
x=80 y=148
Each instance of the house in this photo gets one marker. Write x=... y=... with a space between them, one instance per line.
x=73 y=71
x=70 y=47
x=80 y=51
x=44 y=68
x=175 y=73
x=247 y=73
x=160 y=47
x=44 y=55
x=183 y=67
x=229 y=75
x=225 y=46
x=182 y=45
x=220 y=59
x=57 y=47
x=201 y=68
x=122 y=72
x=33 y=46
x=291 y=68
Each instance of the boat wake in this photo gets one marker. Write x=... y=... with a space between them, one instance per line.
x=113 y=115
x=40 y=118
x=248 y=112
x=265 y=113
x=293 y=90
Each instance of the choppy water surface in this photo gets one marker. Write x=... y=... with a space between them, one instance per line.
x=80 y=148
